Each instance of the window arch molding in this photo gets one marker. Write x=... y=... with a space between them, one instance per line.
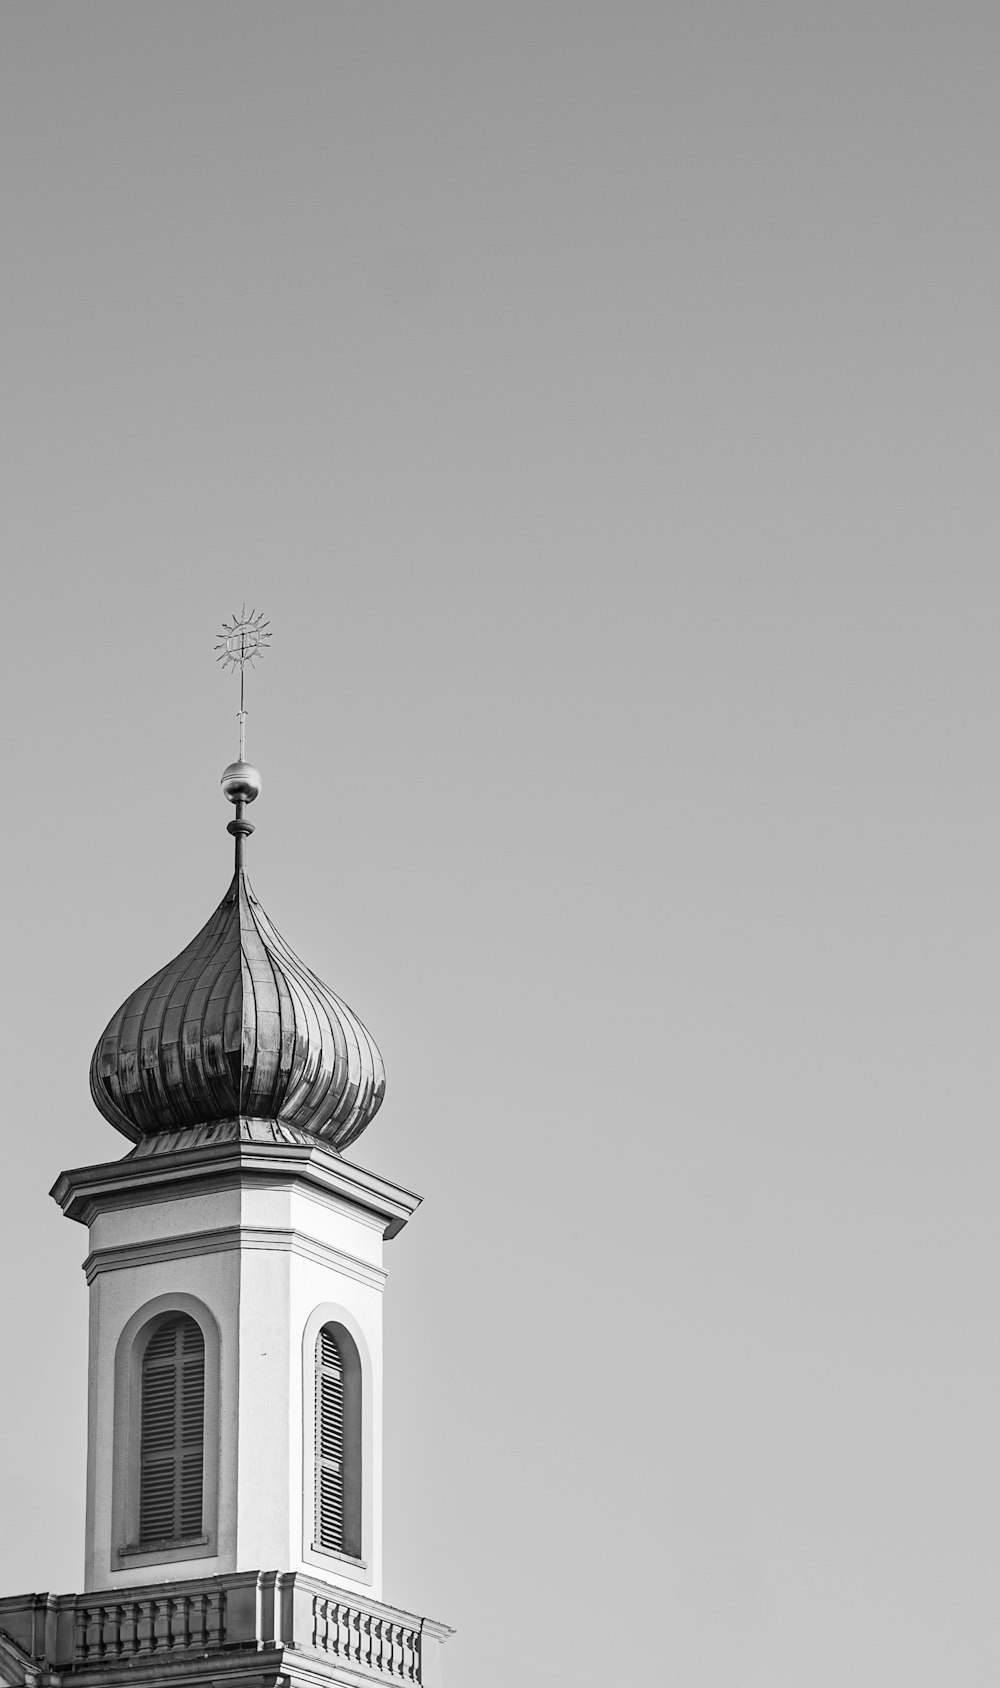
x=126 y=1549
x=356 y=1565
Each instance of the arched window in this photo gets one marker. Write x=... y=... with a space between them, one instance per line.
x=172 y=1432
x=338 y=1442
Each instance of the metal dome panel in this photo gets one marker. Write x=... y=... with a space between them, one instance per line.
x=237 y=1025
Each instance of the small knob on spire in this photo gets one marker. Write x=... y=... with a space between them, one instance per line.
x=241 y=782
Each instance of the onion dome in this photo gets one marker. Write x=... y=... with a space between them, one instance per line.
x=235 y=1026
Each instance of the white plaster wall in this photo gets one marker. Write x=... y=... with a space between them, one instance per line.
x=281 y=1290
x=327 y=1219
x=214 y=1281
x=264 y=1419
x=352 y=1229
x=320 y=1295
x=300 y=1260
x=142 y=1222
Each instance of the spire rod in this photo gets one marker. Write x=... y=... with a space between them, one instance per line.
x=241 y=641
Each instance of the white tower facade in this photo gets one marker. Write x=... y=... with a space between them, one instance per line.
x=236 y=1275
x=265 y=1240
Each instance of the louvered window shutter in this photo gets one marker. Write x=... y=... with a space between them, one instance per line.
x=172 y=1432
x=329 y=1443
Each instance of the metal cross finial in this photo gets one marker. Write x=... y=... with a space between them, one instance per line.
x=242 y=641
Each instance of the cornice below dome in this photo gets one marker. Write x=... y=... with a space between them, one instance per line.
x=237 y=1025
x=236 y=1130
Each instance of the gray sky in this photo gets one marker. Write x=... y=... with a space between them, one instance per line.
x=601 y=400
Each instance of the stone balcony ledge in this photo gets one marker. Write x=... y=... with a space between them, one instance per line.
x=201 y=1628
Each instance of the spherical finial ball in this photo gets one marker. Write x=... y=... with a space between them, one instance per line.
x=241 y=782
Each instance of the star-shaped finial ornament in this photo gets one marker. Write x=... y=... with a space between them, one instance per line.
x=243 y=640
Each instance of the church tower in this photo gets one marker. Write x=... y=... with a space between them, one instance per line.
x=235 y=1271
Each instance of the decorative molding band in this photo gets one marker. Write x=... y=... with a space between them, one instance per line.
x=240 y=1129
x=255 y=1158
x=155 y=1195
x=225 y=1239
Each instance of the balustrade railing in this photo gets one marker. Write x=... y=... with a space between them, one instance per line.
x=156 y=1623
x=252 y=1610
x=375 y=1642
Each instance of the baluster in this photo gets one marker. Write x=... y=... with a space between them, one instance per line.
x=113 y=1631
x=178 y=1624
x=95 y=1632
x=161 y=1623
x=130 y=1627
x=144 y=1627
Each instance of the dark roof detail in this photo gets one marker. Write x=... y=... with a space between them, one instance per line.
x=237 y=1025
